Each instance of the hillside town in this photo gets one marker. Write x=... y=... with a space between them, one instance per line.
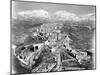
x=49 y=50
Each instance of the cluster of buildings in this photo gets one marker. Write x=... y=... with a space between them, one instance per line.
x=56 y=40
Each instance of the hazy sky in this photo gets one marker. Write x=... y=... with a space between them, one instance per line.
x=51 y=8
